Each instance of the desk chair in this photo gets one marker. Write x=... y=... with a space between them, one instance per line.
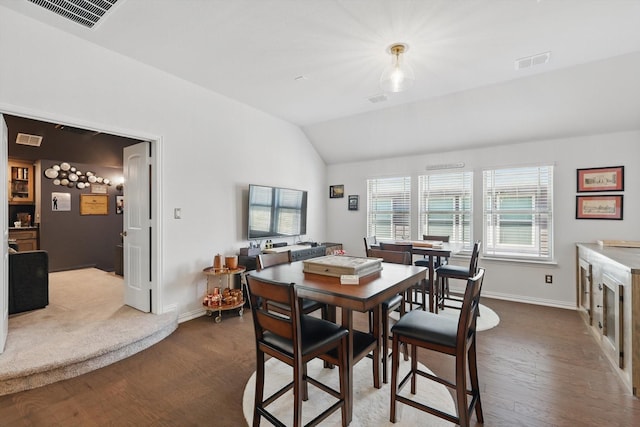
x=448 y=271
x=294 y=338
x=307 y=306
x=396 y=302
x=455 y=337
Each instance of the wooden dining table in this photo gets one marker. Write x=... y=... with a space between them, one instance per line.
x=371 y=291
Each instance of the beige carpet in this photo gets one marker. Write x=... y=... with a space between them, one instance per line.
x=371 y=405
x=85 y=327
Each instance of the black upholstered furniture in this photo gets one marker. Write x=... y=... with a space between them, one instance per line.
x=452 y=336
x=28 y=281
x=295 y=339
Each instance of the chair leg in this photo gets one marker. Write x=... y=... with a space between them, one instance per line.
x=395 y=366
x=259 y=396
x=461 y=389
x=298 y=392
x=475 y=385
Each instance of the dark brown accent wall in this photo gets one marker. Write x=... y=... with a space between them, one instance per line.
x=79 y=241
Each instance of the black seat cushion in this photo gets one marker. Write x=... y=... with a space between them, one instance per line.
x=428 y=327
x=394 y=301
x=315 y=333
x=453 y=271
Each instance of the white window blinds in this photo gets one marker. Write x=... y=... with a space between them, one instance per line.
x=389 y=208
x=518 y=213
x=446 y=206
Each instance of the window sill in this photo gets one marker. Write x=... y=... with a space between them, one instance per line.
x=518 y=261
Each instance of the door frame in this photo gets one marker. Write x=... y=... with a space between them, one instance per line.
x=157 y=304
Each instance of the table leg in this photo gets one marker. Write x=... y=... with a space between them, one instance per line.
x=432 y=287
x=378 y=357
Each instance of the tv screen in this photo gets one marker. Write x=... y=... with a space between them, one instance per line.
x=276 y=212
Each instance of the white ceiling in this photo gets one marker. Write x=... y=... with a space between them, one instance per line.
x=467 y=91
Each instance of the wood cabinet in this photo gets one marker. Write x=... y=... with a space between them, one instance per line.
x=21 y=188
x=608 y=297
x=26 y=239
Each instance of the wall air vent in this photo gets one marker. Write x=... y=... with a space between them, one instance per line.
x=83 y=12
x=26 y=139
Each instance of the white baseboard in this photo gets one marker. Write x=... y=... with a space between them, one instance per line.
x=190 y=315
x=529 y=300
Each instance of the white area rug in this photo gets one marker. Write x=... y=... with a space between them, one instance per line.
x=488 y=318
x=371 y=405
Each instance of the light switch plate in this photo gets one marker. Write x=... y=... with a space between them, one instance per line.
x=177 y=213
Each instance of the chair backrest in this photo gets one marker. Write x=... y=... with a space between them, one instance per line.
x=370 y=241
x=473 y=262
x=394 y=257
x=269 y=260
x=469 y=310
x=435 y=238
x=397 y=247
x=285 y=324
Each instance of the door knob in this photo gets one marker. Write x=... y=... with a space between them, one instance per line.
x=123 y=234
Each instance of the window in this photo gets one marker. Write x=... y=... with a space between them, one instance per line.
x=445 y=206
x=518 y=213
x=389 y=208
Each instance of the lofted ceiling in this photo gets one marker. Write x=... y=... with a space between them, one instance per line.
x=316 y=63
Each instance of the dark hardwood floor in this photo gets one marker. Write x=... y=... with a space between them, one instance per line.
x=539 y=367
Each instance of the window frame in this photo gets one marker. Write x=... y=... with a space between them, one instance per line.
x=534 y=182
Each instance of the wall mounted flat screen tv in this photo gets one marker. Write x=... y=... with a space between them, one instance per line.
x=276 y=212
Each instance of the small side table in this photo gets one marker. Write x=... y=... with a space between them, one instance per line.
x=226 y=297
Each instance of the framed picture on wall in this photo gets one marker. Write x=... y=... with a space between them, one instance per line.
x=336 y=191
x=119 y=205
x=599 y=207
x=353 y=202
x=60 y=202
x=601 y=179
x=94 y=204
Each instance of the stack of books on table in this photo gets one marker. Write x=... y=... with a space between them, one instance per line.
x=339 y=265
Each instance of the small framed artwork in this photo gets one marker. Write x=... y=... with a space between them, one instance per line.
x=336 y=191
x=353 y=202
x=60 y=202
x=94 y=204
x=599 y=207
x=601 y=179
x=98 y=188
x=119 y=205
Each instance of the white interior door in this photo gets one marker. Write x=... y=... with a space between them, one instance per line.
x=137 y=226
x=4 y=220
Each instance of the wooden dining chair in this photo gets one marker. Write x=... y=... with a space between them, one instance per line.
x=294 y=338
x=370 y=242
x=452 y=336
x=307 y=306
x=390 y=305
x=420 y=289
x=444 y=297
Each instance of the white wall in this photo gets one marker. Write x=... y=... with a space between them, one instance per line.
x=509 y=280
x=211 y=147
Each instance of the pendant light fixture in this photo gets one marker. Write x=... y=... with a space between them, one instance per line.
x=397 y=76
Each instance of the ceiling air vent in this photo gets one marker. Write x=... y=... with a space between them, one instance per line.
x=533 y=60
x=26 y=139
x=83 y=12
x=377 y=98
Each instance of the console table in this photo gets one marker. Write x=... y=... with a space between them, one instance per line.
x=608 y=297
